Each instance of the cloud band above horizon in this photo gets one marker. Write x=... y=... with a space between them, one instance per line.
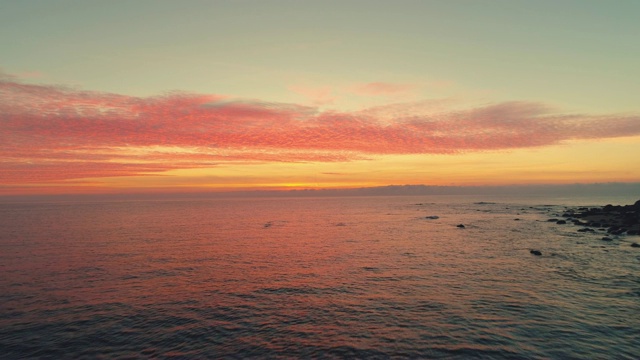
x=52 y=133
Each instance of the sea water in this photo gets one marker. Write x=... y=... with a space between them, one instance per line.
x=352 y=277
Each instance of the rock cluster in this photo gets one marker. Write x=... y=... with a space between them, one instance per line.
x=616 y=220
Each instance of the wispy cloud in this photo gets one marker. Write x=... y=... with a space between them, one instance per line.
x=382 y=89
x=317 y=95
x=51 y=133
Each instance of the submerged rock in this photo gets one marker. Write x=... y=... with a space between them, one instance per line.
x=536 y=252
x=461 y=226
x=636 y=245
x=432 y=217
x=614 y=230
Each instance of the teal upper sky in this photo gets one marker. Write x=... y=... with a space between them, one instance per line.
x=579 y=55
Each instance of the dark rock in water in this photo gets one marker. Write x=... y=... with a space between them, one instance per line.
x=552 y=220
x=615 y=230
x=268 y=224
x=461 y=226
x=432 y=217
x=633 y=232
x=535 y=252
x=517 y=219
x=607 y=239
x=561 y=222
x=586 y=230
x=636 y=245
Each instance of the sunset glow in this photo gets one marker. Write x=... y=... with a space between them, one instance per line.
x=405 y=125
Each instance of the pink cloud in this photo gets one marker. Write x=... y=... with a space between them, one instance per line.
x=50 y=133
x=382 y=89
x=317 y=95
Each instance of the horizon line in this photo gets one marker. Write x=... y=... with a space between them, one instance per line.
x=552 y=189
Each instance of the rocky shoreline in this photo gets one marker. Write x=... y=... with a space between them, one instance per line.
x=614 y=219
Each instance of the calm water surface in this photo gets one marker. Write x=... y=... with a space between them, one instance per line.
x=314 y=277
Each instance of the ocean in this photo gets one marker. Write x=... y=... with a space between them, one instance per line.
x=326 y=277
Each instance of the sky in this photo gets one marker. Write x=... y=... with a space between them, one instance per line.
x=175 y=96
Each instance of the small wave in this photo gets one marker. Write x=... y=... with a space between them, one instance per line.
x=303 y=290
x=371 y=268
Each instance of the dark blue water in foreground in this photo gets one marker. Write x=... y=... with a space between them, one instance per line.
x=306 y=278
